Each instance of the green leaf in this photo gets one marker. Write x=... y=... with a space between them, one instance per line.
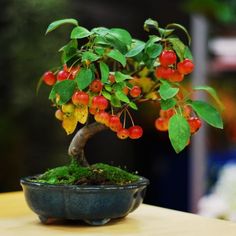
x=174 y=25
x=119 y=77
x=118 y=56
x=207 y=113
x=149 y=24
x=99 y=50
x=89 y=56
x=165 y=32
x=179 y=132
x=121 y=34
x=178 y=46
x=69 y=50
x=58 y=23
x=104 y=71
x=106 y=95
x=79 y=33
x=136 y=48
x=166 y=91
x=168 y=103
x=64 y=89
x=102 y=31
x=152 y=39
x=84 y=78
x=108 y=87
x=121 y=96
x=154 y=50
x=188 y=53
x=114 y=42
x=133 y=106
x=115 y=102
x=212 y=92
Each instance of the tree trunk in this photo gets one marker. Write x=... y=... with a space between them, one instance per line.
x=76 y=148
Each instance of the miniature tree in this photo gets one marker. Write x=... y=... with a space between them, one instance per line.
x=105 y=73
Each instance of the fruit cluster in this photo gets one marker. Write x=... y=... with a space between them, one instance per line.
x=170 y=70
x=95 y=103
x=161 y=123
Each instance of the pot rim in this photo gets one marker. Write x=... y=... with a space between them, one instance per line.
x=26 y=181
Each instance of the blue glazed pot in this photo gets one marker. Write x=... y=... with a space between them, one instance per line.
x=95 y=205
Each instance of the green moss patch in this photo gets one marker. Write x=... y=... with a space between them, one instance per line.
x=96 y=174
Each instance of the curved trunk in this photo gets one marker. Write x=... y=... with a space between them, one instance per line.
x=76 y=148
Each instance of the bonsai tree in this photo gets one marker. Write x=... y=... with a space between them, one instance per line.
x=105 y=73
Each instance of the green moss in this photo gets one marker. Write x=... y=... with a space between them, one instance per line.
x=94 y=175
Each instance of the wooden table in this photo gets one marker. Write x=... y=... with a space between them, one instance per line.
x=16 y=219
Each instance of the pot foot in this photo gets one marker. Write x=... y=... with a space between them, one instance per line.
x=44 y=219
x=97 y=222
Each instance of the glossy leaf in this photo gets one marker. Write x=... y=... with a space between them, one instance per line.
x=80 y=32
x=56 y=24
x=188 y=53
x=207 y=113
x=118 y=56
x=178 y=46
x=119 y=77
x=212 y=92
x=149 y=24
x=106 y=95
x=121 y=96
x=174 y=25
x=179 y=132
x=84 y=78
x=90 y=56
x=100 y=31
x=133 y=106
x=168 y=103
x=154 y=50
x=64 y=89
x=166 y=91
x=69 y=50
x=121 y=34
x=136 y=48
x=104 y=69
x=115 y=102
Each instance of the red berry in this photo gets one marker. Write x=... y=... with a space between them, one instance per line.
x=96 y=86
x=135 y=132
x=123 y=133
x=112 y=78
x=135 y=91
x=161 y=124
x=105 y=117
x=167 y=114
x=185 y=67
x=49 y=78
x=176 y=77
x=125 y=90
x=114 y=123
x=194 y=124
x=100 y=102
x=92 y=110
x=167 y=57
x=80 y=98
x=63 y=75
x=163 y=72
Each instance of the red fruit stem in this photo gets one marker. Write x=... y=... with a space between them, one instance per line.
x=76 y=148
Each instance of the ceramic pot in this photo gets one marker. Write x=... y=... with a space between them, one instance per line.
x=96 y=205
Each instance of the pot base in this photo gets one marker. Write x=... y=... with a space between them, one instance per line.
x=95 y=205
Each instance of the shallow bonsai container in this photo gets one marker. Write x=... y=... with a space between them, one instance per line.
x=96 y=205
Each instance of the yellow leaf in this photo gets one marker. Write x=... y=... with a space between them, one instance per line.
x=69 y=124
x=81 y=114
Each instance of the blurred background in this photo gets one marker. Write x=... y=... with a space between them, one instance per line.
x=32 y=141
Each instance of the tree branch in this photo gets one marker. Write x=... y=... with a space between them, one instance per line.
x=76 y=148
